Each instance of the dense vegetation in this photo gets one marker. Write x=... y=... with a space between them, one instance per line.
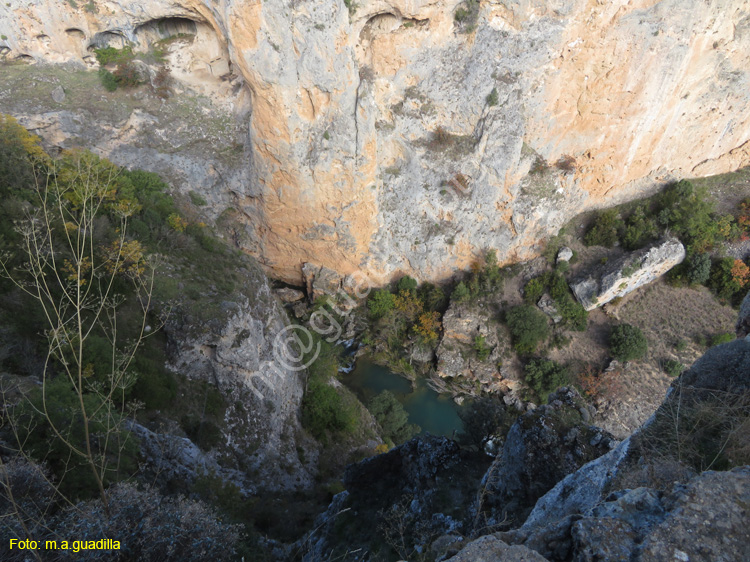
x=77 y=240
x=573 y=314
x=686 y=212
x=392 y=418
x=544 y=376
x=324 y=412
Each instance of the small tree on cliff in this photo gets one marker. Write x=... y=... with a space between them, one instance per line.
x=75 y=263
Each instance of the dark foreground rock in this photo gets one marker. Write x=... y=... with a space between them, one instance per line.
x=706 y=519
x=541 y=448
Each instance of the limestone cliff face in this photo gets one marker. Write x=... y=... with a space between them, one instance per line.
x=372 y=143
x=243 y=354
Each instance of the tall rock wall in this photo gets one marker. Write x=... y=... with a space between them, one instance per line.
x=394 y=138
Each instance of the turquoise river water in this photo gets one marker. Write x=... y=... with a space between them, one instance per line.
x=434 y=413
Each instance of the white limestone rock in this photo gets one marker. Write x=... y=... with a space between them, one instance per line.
x=627 y=273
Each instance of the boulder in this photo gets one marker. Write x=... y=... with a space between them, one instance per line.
x=289 y=295
x=320 y=280
x=724 y=368
x=411 y=465
x=564 y=254
x=708 y=520
x=705 y=519
x=627 y=273
x=548 y=307
x=58 y=94
x=492 y=549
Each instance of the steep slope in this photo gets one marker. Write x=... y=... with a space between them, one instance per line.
x=386 y=134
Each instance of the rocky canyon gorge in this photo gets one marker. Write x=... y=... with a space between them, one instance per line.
x=444 y=154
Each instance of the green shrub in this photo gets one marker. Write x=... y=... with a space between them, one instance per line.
x=688 y=213
x=323 y=410
x=485 y=279
x=461 y=293
x=432 y=297
x=108 y=80
x=197 y=199
x=673 y=367
x=392 y=417
x=481 y=348
x=381 y=303
x=627 y=343
x=604 y=231
x=698 y=269
x=492 y=98
x=534 y=289
x=722 y=338
x=573 y=313
x=545 y=376
x=640 y=229
x=107 y=55
x=20 y=154
x=528 y=327
x=728 y=279
x=407 y=284
x=43 y=443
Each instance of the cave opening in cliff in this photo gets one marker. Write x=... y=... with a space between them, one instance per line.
x=76 y=33
x=112 y=38
x=165 y=28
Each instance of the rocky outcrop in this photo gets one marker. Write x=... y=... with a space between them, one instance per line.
x=457 y=352
x=288 y=295
x=743 y=322
x=416 y=498
x=564 y=254
x=380 y=137
x=591 y=515
x=562 y=490
x=627 y=273
x=413 y=465
x=541 y=448
x=491 y=549
x=547 y=305
x=244 y=354
x=320 y=281
x=706 y=519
